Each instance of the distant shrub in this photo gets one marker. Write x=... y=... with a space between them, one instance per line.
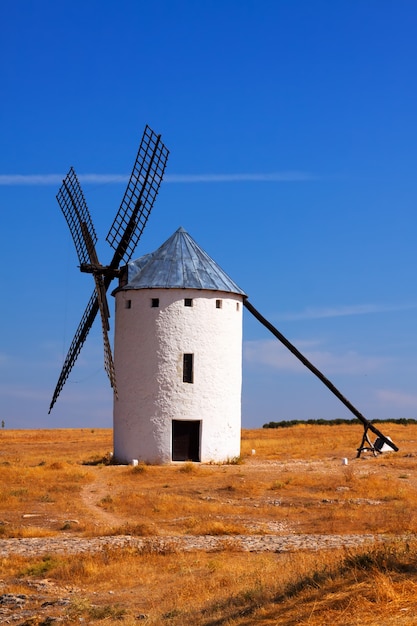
x=336 y=422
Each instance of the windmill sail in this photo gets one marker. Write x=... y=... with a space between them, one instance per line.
x=139 y=197
x=77 y=343
x=123 y=237
x=74 y=207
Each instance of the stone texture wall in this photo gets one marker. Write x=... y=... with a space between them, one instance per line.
x=149 y=346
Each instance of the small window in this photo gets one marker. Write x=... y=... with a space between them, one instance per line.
x=128 y=304
x=188 y=302
x=237 y=306
x=155 y=303
x=188 y=366
x=219 y=304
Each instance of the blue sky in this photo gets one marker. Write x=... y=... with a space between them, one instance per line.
x=292 y=132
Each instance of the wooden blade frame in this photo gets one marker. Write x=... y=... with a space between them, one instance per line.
x=77 y=343
x=74 y=207
x=367 y=424
x=123 y=236
x=139 y=197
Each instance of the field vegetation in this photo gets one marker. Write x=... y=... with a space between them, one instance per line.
x=62 y=483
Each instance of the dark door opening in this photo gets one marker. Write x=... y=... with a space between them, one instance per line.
x=186 y=440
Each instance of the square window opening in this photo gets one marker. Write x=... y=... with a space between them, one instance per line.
x=155 y=303
x=219 y=304
x=188 y=302
x=128 y=304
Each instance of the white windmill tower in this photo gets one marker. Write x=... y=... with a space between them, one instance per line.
x=178 y=357
x=178 y=330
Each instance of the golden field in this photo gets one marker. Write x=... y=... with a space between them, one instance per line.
x=60 y=483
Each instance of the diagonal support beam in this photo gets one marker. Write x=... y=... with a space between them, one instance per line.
x=367 y=424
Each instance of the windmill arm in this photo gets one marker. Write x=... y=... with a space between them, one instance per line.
x=126 y=238
x=123 y=237
x=76 y=345
x=139 y=197
x=317 y=373
x=74 y=207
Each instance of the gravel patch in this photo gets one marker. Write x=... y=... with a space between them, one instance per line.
x=35 y=546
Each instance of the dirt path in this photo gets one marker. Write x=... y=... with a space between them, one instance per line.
x=104 y=485
x=95 y=493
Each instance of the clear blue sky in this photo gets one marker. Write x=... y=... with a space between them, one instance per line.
x=292 y=128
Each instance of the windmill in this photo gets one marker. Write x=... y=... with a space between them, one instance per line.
x=123 y=236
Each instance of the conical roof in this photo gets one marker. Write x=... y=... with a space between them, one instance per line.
x=179 y=263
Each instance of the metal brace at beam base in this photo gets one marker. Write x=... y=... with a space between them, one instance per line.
x=369 y=447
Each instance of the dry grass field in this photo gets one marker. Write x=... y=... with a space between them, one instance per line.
x=59 y=483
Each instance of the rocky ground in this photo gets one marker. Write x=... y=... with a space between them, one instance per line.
x=36 y=546
x=45 y=603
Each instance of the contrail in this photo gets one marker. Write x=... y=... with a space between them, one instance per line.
x=343 y=311
x=21 y=180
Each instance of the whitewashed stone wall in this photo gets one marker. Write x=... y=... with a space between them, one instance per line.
x=149 y=347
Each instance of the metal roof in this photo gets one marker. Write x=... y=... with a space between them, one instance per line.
x=179 y=263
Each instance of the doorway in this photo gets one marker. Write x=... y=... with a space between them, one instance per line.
x=186 y=440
